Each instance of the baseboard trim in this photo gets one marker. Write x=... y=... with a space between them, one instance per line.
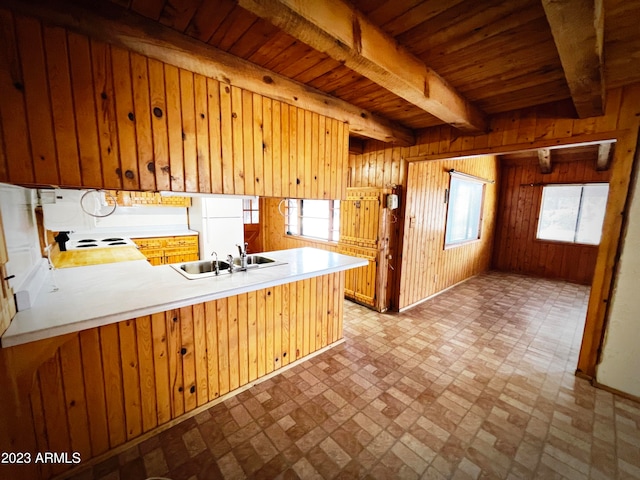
x=581 y=374
x=404 y=309
x=615 y=391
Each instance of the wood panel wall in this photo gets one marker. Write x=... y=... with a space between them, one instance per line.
x=427 y=267
x=109 y=385
x=78 y=112
x=537 y=127
x=380 y=165
x=546 y=126
x=410 y=281
x=516 y=248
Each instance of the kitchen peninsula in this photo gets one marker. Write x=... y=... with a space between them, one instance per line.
x=88 y=297
x=125 y=348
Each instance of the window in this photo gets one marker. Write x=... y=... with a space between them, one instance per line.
x=319 y=219
x=573 y=213
x=465 y=210
x=251 y=210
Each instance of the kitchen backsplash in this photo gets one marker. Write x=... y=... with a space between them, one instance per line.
x=131 y=217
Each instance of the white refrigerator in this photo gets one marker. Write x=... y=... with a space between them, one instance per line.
x=218 y=219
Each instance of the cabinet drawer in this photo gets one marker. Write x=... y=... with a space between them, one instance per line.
x=180 y=251
x=126 y=199
x=190 y=240
x=163 y=250
x=152 y=252
x=179 y=257
x=154 y=242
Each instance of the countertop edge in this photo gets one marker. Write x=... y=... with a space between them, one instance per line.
x=53 y=331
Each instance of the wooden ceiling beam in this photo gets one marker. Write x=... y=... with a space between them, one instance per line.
x=335 y=28
x=544 y=159
x=111 y=24
x=578 y=32
x=604 y=156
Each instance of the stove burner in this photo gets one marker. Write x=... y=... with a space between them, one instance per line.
x=87 y=240
x=114 y=239
x=86 y=245
x=117 y=243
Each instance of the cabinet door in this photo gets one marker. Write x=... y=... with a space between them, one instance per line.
x=154 y=255
x=165 y=250
x=179 y=255
x=127 y=199
x=187 y=241
x=360 y=283
x=149 y=243
x=360 y=217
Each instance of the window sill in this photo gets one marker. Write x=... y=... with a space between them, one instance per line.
x=563 y=243
x=311 y=240
x=461 y=244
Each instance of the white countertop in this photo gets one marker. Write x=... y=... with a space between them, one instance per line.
x=93 y=296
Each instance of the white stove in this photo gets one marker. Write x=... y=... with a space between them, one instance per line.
x=91 y=241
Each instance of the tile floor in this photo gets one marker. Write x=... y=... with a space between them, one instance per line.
x=476 y=383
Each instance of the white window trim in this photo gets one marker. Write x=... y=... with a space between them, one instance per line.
x=576 y=228
x=471 y=179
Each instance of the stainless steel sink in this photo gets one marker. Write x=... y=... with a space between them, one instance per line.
x=206 y=268
x=254 y=260
x=201 y=268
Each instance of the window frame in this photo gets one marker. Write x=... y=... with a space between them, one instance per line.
x=333 y=234
x=578 y=218
x=457 y=176
x=253 y=202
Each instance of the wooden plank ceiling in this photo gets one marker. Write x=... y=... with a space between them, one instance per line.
x=498 y=55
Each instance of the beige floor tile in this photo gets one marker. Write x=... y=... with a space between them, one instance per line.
x=477 y=382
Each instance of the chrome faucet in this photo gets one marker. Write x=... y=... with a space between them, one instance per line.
x=243 y=255
x=230 y=262
x=216 y=267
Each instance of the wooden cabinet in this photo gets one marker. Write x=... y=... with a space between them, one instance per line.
x=364 y=233
x=165 y=250
x=130 y=199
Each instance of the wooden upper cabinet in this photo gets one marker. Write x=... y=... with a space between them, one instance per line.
x=80 y=112
x=130 y=199
x=360 y=220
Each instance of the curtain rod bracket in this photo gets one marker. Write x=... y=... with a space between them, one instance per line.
x=453 y=171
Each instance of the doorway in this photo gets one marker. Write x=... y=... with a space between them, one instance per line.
x=251 y=219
